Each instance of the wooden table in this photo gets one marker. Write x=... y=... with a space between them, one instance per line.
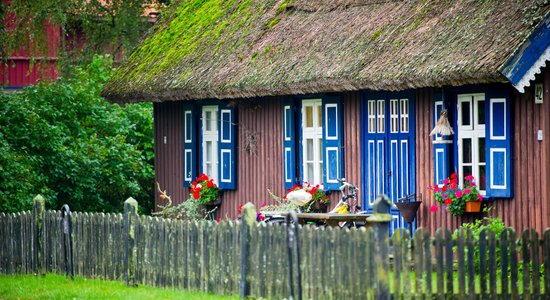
x=333 y=219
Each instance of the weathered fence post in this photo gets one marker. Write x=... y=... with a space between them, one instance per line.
x=248 y=219
x=67 y=240
x=293 y=243
x=38 y=234
x=130 y=253
x=381 y=220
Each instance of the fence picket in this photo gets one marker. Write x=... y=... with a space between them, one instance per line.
x=505 y=238
x=535 y=258
x=483 y=262
x=514 y=283
x=461 y=257
x=491 y=244
x=526 y=260
x=546 y=253
x=439 y=260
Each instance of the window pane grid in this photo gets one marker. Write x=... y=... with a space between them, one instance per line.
x=404 y=115
x=394 y=116
x=381 y=116
x=312 y=136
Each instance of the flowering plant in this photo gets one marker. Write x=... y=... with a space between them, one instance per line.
x=454 y=197
x=204 y=189
x=318 y=195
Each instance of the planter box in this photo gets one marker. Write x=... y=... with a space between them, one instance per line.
x=473 y=206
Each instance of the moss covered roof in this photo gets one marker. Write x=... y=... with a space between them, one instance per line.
x=244 y=48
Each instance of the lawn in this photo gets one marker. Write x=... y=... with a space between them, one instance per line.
x=54 y=286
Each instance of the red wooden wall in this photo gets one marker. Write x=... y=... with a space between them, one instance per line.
x=24 y=68
x=264 y=169
x=530 y=207
x=257 y=171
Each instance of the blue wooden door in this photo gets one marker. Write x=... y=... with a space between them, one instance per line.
x=388 y=149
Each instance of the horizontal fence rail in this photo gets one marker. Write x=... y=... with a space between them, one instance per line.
x=334 y=263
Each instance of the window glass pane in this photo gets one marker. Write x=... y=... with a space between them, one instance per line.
x=481 y=112
x=209 y=152
x=319 y=116
x=465 y=107
x=482 y=180
x=214 y=122
x=372 y=116
x=209 y=169
x=381 y=116
x=208 y=116
x=404 y=115
x=309 y=174
x=309 y=149
x=309 y=116
x=481 y=149
x=467 y=151
x=467 y=170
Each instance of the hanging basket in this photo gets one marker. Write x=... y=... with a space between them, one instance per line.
x=473 y=206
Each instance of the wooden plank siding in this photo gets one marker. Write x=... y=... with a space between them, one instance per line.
x=257 y=172
x=530 y=207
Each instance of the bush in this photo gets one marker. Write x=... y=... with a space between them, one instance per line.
x=64 y=141
x=496 y=225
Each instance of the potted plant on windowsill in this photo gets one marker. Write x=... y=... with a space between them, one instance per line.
x=458 y=200
x=206 y=191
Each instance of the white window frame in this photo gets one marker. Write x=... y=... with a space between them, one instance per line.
x=474 y=132
x=210 y=136
x=316 y=134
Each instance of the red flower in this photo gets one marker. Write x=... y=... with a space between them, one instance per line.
x=262 y=217
x=436 y=188
x=444 y=188
x=433 y=208
x=218 y=220
x=194 y=183
x=196 y=195
x=240 y=210
x=448 y=201
x=453 y=186
x=202 y=177
x=209 y=184
x=324 y=197
x=454 y=176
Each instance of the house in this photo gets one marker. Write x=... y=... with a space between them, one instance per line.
x=264 y=94
x=38 y=59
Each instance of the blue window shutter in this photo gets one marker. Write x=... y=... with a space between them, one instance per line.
x=189 y=145
x=442 y=151
x=333 y=137
x=498 y=152
x=289 y=143
x=227 y=159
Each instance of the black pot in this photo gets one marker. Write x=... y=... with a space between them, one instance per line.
x=408 y=210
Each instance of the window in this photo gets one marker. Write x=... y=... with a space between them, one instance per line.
x=471 y=138
x=312 y=140
x=482 y=143
x=209 y=144
x=316 y=155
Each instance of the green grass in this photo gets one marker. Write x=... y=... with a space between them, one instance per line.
x=59 y=287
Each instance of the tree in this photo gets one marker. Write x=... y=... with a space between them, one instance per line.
x=108 y=26
x=64 y=141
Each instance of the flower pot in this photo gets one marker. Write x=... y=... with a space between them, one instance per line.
x=408 y=210
x=473 y=206
x=214 y=203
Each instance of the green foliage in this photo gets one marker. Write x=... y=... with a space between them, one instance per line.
x=496 y=225
x=106 y=25
x=192 y=210
x=65 y=142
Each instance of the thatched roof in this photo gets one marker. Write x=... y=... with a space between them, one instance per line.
x=247 y=48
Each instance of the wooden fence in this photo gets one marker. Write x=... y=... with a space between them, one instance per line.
x=333 y=263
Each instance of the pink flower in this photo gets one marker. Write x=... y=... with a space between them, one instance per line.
x=446 y=181
x=458 y=194
x=467 y=191
x=479 y=197
x=436 y=188
x=433 y=208
x=264 y=204
x=472 y=183
x=469 y=177
x=444 y=195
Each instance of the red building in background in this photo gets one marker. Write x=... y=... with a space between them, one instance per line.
x=24 y=68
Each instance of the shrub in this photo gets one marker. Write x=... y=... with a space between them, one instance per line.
x=64 y=141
